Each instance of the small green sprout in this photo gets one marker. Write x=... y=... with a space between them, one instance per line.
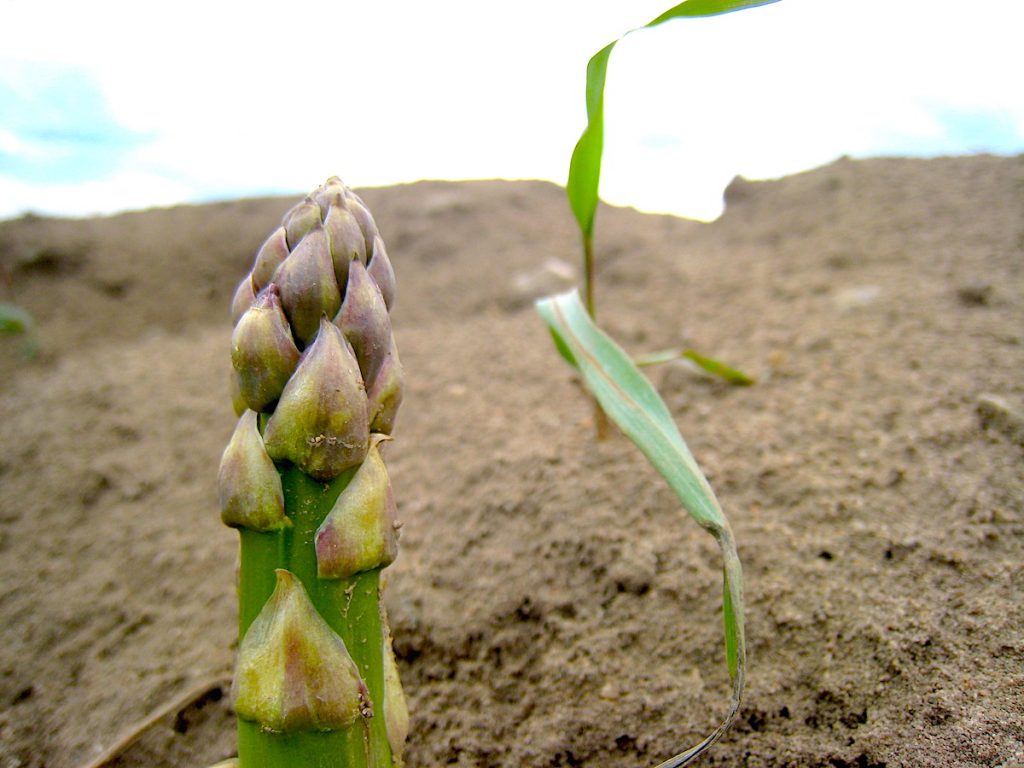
x=707 y=364
x=585 y=165
x=632 y=403
x=15 y=320
x=623 y=393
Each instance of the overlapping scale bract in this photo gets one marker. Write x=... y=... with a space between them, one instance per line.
x=293 y=671
x=361 y=531
x=326 y=262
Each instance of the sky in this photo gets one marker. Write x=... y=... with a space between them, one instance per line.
x=110 y=106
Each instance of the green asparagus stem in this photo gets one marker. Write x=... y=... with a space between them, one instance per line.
x=315 y=370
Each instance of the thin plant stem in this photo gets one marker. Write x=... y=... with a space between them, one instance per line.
x=600 y=418
x=588 y=275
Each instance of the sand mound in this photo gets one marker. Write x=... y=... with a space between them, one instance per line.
x=552 y=605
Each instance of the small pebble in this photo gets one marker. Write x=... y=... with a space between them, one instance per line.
x=975 y=294
x=856 y=297
x=553 y=276
x=609 y=691
x=997 y=413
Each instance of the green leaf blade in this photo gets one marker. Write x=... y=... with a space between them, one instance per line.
x=710 y=365
x=14 y=319
x=633 y=404
x=703 y=8
x=585 y=165
x=717 y=368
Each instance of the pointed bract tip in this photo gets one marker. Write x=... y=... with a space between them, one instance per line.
x=362 y=215
x=250 y=489
x=321 y=423
x=263 y=352
x=396 y=709
x=364 y=320
x=308 y=285
x=244 y=296
x=359 y=533
x=331 y=193
x=300 y=220
x=346 y=242
x=386 y=393
x=269 y=258
x=383 y=274
x=294 y=672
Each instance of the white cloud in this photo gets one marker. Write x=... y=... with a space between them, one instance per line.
x=11 y=143
x=249 y=96
x=122 y=191
x=777 y=90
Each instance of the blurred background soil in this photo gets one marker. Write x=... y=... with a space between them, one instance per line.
x=552 y=605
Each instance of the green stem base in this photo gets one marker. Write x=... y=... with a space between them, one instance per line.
x=351 y=607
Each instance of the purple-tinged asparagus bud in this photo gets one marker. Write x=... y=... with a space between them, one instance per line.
x=320 y=423
x=362 y=215
x=308 y=286
x=346 y=241
x=294 y=672
x=385 y=395
x=396 y=710
x=262 y=351
x=364 y=320
x=300 y=220
x=269 y=258
x=250 y=486
x=381 y=271
x=331 y=193
x=244 y=297
x=361 y=530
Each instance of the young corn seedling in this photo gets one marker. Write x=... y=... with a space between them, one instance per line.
x=317 y=385
x=624 y=394
x=585 y=172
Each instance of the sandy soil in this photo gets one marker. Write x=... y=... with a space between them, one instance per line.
x=552 y=605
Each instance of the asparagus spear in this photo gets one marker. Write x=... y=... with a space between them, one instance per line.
x=317 y=384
